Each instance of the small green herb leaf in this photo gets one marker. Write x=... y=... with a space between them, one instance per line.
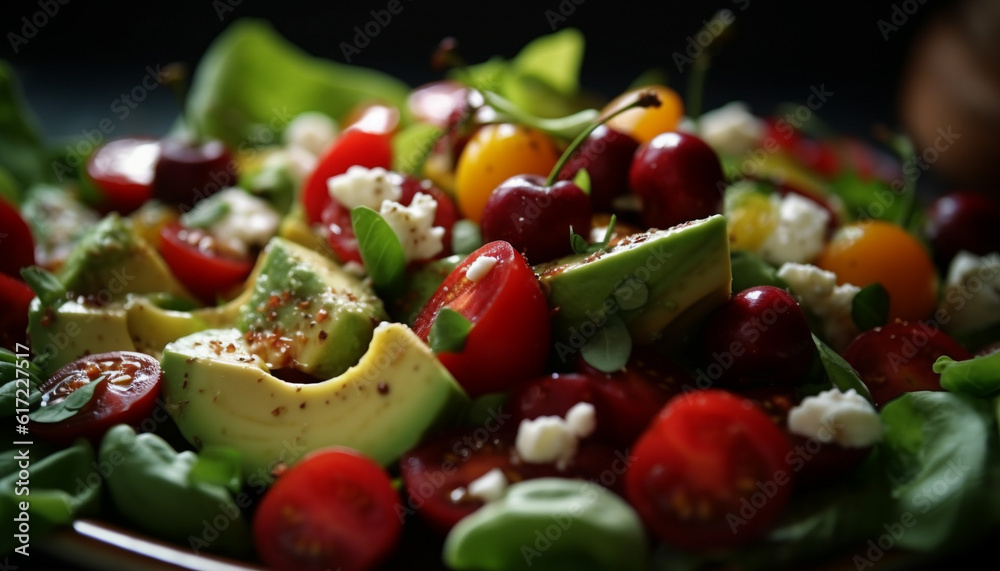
x=839 y=371
x=609 y=349
x=578 y=243
x=46 y=286
x=381 y=251
x=870 y=307
x=449 y=331
x=68 y=406
x=205 y=214
x=217 y=465
x=582 y=179
x=607 y=234
x=978 y=376
x=466 y=237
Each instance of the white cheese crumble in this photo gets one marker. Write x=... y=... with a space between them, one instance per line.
x=414 y=226
x=971 y=298
x=312 y=131
x=732 y=128
x=800 y=234
x=817 y=291
x=549 y=439
x=299 y=162
x=488 y=487
x=835 y=416
x=249 y=221
x=480 y=267
x=361 y=186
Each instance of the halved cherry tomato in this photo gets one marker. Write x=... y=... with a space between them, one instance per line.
x=374 y=118
x=710 y=471
x=352 y=147
x=644 y=124
x=123 y=170
x=126 y=395
x=897 y=358
x=16 y=241
x=334 y=509
x=340 y=234
x=197 y=261
x=15 y=297
x=509 y=340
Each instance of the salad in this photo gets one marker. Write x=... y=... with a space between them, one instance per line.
x=336 y=321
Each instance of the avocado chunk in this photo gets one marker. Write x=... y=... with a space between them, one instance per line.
x=219 y=393
x=653 y=281
x=307 y=313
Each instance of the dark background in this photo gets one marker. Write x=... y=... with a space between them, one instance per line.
x=88 y=53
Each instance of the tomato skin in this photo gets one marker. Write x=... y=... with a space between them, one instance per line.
x=509 y=340
x=204 y=274
x=123 y=170
x=112 y=403
x=15 y=297
x=644 y=124
x=353 y=147
x=18 y=243
x=334 y=509
x=704 y=458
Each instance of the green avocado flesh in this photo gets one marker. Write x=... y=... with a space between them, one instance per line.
x=219 y=393
x=656 y=282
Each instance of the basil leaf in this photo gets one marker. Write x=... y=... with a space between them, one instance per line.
x=554 y=59
x=449 y=331
x=870 y=307
x=46 y=286
x=582 y=179
x=380 y=249
x=17 y=377
x=608 y=351
x=578 y=243
x=978 y=376
x=839 y=372
x=206 y=213
x=466 y=237
x=751 y=270
x=217 y=466
x=68 y=406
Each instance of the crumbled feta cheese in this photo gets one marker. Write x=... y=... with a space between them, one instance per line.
x=972 y=292
x=299 y=162
x=249 y=221
x=480 y=267
x=553 y=439
x=800 y=234
x=312 y=131
x=817 y=291
x=488 y=487
x=835 y=416
x=732 y=128
x=414 y=226
x=360 y=186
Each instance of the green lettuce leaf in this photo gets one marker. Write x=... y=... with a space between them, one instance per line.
x=22 y=149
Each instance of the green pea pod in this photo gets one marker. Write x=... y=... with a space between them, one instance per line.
x=550 y=523
x=979 y=376
x=154 y=488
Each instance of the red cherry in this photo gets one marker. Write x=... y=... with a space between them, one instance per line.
x=607 y=156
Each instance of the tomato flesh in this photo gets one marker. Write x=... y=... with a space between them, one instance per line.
x=353 y=147
x=18 y=243
x=15 y=297
x=126 y=395
x=123 y=170
x=334 y=509
x=204 y=272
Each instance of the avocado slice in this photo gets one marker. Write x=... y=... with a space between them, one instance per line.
x=219 y=393
x=657 y=282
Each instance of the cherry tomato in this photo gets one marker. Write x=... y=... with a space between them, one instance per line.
x=509 y=340
x=435 y=102
x=644 y=124
x=123 y=170
x=126 y=395
x=334 y=509
x=16 y=241
x=353 y=147
x=374 y=118
x=15 y=297
x=864 y=253
x=199 y=263
x=494 y=153
x=709 y=472
x=340 y=234
x=897 y=358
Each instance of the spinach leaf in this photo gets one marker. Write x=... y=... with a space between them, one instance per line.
x=870 y=307
x=609 y=349
x=67 y=407
x=18 y=374
x=978 y=376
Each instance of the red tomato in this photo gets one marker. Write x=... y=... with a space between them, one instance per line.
x=194 y=258
x=509 y=340
x=710 y=472
x=123 y=170
x=16 y=241
x=353 y=147
x=897 y=358
x=15 y=296
x=334 y=509
x=337 y=220
x=127 y=395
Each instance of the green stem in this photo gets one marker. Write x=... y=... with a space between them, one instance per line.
x=696 y=86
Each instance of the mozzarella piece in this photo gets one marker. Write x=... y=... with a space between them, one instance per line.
x=817 y=291
x=250 y=220
x=312 y=131
x=480 y=267
x=414 y=226
x=971 y=298
x=846 y=418
x=548 y=439
x=361 y=186
x=800 y=234
x=731 y=129
x=488 y=487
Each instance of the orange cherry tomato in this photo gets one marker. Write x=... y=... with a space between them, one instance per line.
x=864 y=253
x=646 y=122
x=494 y=153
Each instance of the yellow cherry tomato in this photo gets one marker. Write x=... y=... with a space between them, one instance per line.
x=864 y=253
x=494 y=153
x=751 y=219
x=646 y=122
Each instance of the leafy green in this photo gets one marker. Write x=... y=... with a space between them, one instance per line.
x=449 y=331
x=978 y=376
x=205 y=213
x=609 y=349
x=751 y=270
x=838 y=371
x=69 y=406
x=870 y=198
x=870 y=307
x=380 y=249
x=218 y=466
x=466 y=237
x=582 y=179
x=16 y=375
x=554 y=59
x=568 y=126
x=411 y=147
x=251 y=82
x=22 y=148
x=578 y=243
x=46 y=286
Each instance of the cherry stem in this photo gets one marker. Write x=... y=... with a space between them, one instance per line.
x=643 y=99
